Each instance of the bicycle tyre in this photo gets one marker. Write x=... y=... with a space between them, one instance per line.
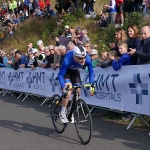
x=55 y=109
x=83 y=121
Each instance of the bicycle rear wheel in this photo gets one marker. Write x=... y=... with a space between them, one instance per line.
x=83 y=121
x=55 y=109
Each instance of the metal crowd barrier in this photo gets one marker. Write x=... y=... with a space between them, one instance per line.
x=4 y=92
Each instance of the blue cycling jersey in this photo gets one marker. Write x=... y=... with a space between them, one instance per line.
x=69 y=63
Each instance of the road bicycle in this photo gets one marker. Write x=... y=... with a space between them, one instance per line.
x=77 y=111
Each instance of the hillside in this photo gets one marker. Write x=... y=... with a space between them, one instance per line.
x=32 y=30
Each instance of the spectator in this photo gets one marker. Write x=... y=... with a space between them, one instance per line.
x=51 y=48
x=57 y=41
x=70 y=46
x=119 y=9
x=14 y=5
x=112 y=12
x=102 y=22
x=134 y=40
x=88 y=46
x=47 y=3
x=40 y=57
x=10 y=7
x=48 y=59
x=32 y=61
x=62 y=39
x=144 y=53
x=148 y=7
x=3 y=59
x=73 y=35
x=68 y=33
x=15 y=63
x=57 y=56
x=9 y=61
x=85 y=37
x=29 y=47
x=63 y=51
x=22 y=59
x=105 y=59
x=79 y=36
x=128 y=7
x=95 y=58
x=137 y=4
x=41 y=5
x=120 y=36
x=125 y=58
x=41 y=46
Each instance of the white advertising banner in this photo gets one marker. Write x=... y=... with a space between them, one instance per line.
x=126 y=89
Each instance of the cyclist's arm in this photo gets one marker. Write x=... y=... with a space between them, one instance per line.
x=62 y=72
x=90 y=69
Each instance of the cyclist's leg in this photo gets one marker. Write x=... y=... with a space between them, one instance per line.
x=65 y=100
x=63 y=112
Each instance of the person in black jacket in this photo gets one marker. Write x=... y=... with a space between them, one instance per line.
x=134 y=40
x=144 y=53
x=49 y=59
x=32 y=61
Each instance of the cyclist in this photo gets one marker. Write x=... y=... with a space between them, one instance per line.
x=69 y=74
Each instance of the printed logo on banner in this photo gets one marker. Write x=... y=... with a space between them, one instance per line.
x=106 y=87
x=138 y=88
x=15 y=79
x=36 y=80
x=54 y=82
x=2 y=78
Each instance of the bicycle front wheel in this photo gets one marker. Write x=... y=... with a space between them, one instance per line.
x=55 y=109
x=83 y=121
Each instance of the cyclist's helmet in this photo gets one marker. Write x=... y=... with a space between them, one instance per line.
x=79 y=51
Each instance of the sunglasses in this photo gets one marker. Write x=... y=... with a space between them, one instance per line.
x=51 y=49
x=81 y=58
x=86 y=46
x=47 y=51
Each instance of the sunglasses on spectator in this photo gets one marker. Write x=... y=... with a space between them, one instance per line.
x=51 y=49
x=47 y=51
x=81 y=58
x=86 y=46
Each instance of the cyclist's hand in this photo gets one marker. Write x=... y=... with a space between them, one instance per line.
x=92 y=90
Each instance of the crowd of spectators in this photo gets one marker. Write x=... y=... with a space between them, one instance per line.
x=117 y=10
x=14 y=12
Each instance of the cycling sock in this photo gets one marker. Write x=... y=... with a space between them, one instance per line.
x=63 y=110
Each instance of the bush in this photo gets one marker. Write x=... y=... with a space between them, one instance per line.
x=134 y=18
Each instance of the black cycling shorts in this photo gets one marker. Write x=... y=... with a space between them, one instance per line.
x=73 y=76
x=119 y=8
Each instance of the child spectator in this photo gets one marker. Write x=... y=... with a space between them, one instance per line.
x=105 y=59
x=125 y=59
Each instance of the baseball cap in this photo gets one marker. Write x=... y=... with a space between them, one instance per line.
x=66 y=27
x=34 y=50
x=78 y=28
x=39 y=42
x=79 y=51
x=93 y=52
